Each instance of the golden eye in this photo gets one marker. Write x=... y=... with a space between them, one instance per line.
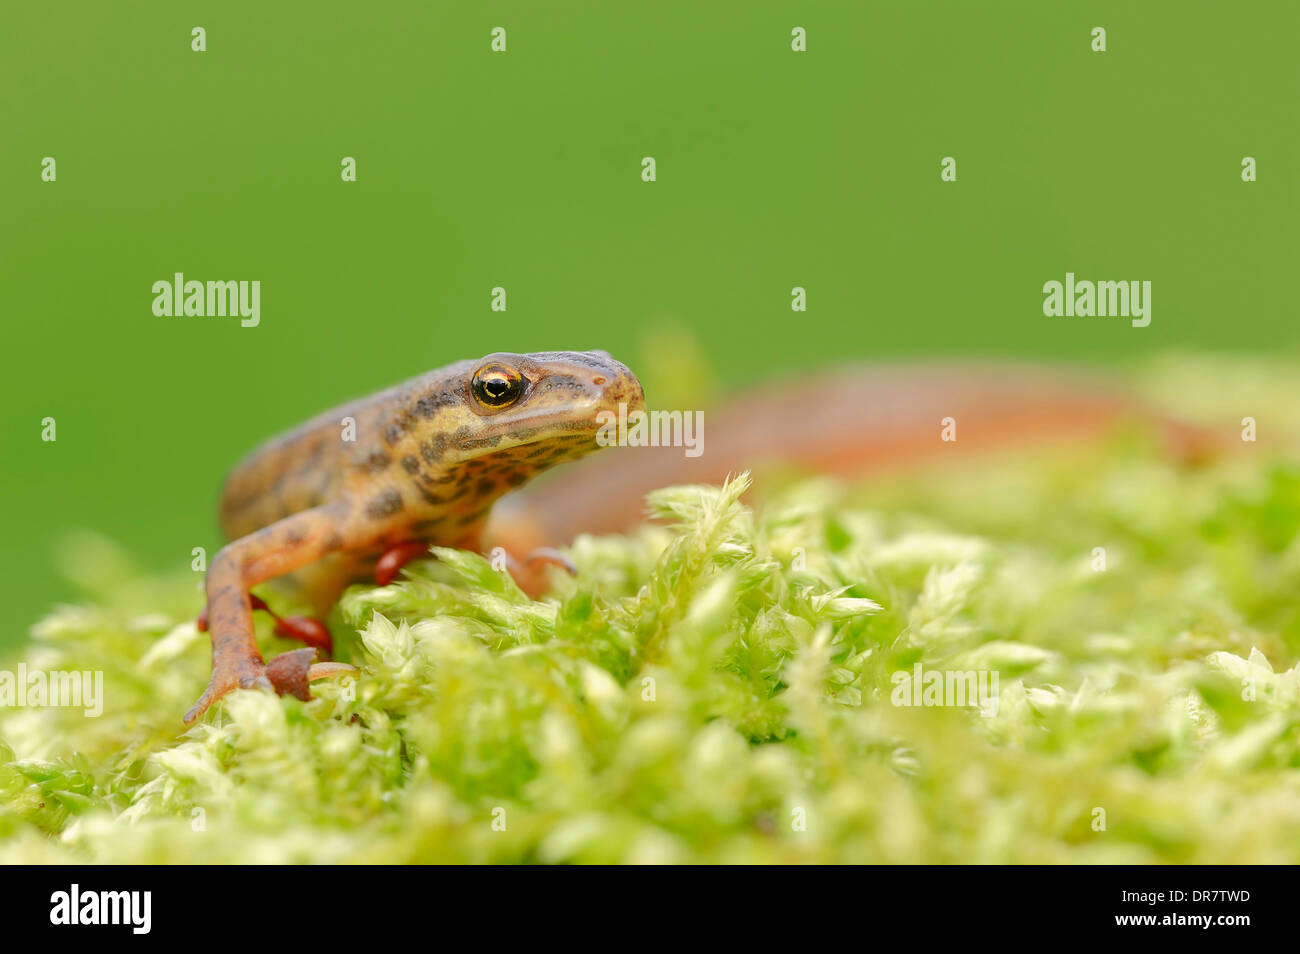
x=497 y=385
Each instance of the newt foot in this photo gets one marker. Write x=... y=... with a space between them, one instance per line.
x=289 y=674
x=246 y=674
x=529 y=574
x=551 y=557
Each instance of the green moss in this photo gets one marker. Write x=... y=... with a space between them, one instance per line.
x=718 y=688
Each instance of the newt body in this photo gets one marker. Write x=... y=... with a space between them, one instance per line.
x=430 y=460
x=424 y=463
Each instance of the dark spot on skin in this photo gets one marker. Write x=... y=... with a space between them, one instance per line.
x=294 y=537
x=430 y=497
x=410 y=464
x=486 y=487
x=433 y=449
x=430 y=404
x=517 y=478
x=429 y=480
x=394 y=433
x=374 y=462
x=384 y=504
x=335 y=542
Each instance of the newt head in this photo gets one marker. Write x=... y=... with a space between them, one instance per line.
x=540 y=408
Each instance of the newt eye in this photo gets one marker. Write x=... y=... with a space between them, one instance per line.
x=497 y=385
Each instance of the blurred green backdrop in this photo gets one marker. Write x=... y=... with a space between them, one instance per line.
x=522 y=169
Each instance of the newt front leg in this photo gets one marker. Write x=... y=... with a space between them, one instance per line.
x=273 y=551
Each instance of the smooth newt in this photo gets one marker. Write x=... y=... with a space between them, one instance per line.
x=418 y=464
x=433 y=455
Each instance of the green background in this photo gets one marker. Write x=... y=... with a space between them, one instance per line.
x=522 y=169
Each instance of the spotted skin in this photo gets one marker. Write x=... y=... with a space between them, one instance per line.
x=429 y=459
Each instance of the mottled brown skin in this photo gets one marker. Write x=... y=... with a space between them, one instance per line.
x=429 y=459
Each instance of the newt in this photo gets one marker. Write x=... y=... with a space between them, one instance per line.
x=434 y=455
x=370 y=485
